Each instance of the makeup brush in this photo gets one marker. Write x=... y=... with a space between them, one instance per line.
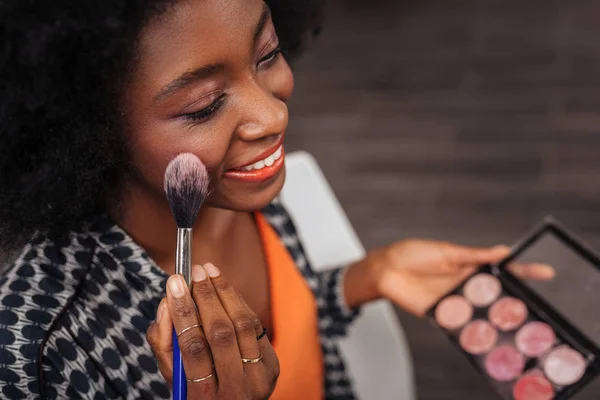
x=186 y=188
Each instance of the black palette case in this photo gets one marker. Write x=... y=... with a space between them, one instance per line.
x=566 y=304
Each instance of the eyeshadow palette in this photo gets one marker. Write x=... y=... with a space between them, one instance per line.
x=517 y=337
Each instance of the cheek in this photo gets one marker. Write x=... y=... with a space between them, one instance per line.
x=153 y=150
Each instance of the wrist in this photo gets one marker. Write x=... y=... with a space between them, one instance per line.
x=362 y=280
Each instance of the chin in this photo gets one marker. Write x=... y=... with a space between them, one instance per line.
x=242 y=197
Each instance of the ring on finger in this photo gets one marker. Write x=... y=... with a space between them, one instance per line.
x=188 y=328
x=263 y=333
x=203 y=378
x=252 y=360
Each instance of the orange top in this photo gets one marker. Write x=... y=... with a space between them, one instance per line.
x=295 y=322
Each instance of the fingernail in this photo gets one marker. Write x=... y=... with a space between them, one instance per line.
x=212 y=271
x=159 y=313
x=501 y=247
x=177 y=286
x=198 y=273
x=549 y=272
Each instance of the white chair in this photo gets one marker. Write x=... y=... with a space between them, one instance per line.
x=376 y=350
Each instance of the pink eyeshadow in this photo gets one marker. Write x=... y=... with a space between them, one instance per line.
x=564 y=366
x=453 y=312
x=482 y=289
x=533 y=386
x=478 y=337
x=508 y=313
x=535 y=338
x=504 y=363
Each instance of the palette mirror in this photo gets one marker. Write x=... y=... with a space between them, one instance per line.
x=574 y=293
x=575 y=290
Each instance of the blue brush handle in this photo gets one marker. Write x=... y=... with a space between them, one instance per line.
x=179 y=379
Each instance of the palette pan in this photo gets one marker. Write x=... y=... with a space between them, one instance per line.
x=531 y=340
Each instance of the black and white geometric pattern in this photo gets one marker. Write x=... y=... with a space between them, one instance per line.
x=73 y=317
x=327 y=286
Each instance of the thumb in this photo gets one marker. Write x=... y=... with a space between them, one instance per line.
x=163 y=348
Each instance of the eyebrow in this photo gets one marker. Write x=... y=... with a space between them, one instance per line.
x=189 y=77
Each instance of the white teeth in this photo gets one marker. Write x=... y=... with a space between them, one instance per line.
x=267 y=161
x=259 y=164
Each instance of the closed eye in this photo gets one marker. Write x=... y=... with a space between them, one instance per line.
x=270 y=58
x=206 y=112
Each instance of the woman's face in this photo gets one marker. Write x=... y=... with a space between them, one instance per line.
x=209 y=80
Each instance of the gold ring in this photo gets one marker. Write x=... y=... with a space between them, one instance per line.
x=188 y=328
x=201 y=379
x=251 y=360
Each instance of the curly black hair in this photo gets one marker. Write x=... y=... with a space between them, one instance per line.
x=62 y=144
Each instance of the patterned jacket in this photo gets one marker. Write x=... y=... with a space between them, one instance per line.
x=73 y=316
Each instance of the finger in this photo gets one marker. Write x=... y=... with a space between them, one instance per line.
x=152 y=336
x=266 y=349
x=534 y=271
x=258 y=327
x=160 y=337
x=244 y=322
x=165 y=335
x=195 y=351
x=271 y=362
x=469 y=256
x=219 y=329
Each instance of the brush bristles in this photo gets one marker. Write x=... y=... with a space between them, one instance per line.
x=186 y=187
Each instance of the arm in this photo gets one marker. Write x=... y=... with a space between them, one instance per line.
x=22 y=336
x=333 y=299
x=414 y=274
x=361 y=282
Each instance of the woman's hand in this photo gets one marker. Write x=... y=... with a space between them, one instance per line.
x=228 y=334
x=414 y=274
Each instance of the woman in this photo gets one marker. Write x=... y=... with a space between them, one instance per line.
x=96 y=99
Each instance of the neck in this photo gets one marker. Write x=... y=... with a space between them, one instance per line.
x=149 y=221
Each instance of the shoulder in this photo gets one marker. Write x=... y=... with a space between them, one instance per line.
x=34 y=290
x=280 y=219
x=45 y=268
x=283 y=224
x=274 y=209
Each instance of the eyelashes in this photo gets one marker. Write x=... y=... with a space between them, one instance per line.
x=204 y=114
x=270 y=58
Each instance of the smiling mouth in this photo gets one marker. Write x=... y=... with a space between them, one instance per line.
x=261 y=170
x=268 y=161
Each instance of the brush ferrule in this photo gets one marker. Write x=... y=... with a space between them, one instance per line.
x=183 y=260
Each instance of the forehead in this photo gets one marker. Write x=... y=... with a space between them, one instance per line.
x=197 y=32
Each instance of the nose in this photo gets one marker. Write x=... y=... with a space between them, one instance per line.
x=263 y=115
